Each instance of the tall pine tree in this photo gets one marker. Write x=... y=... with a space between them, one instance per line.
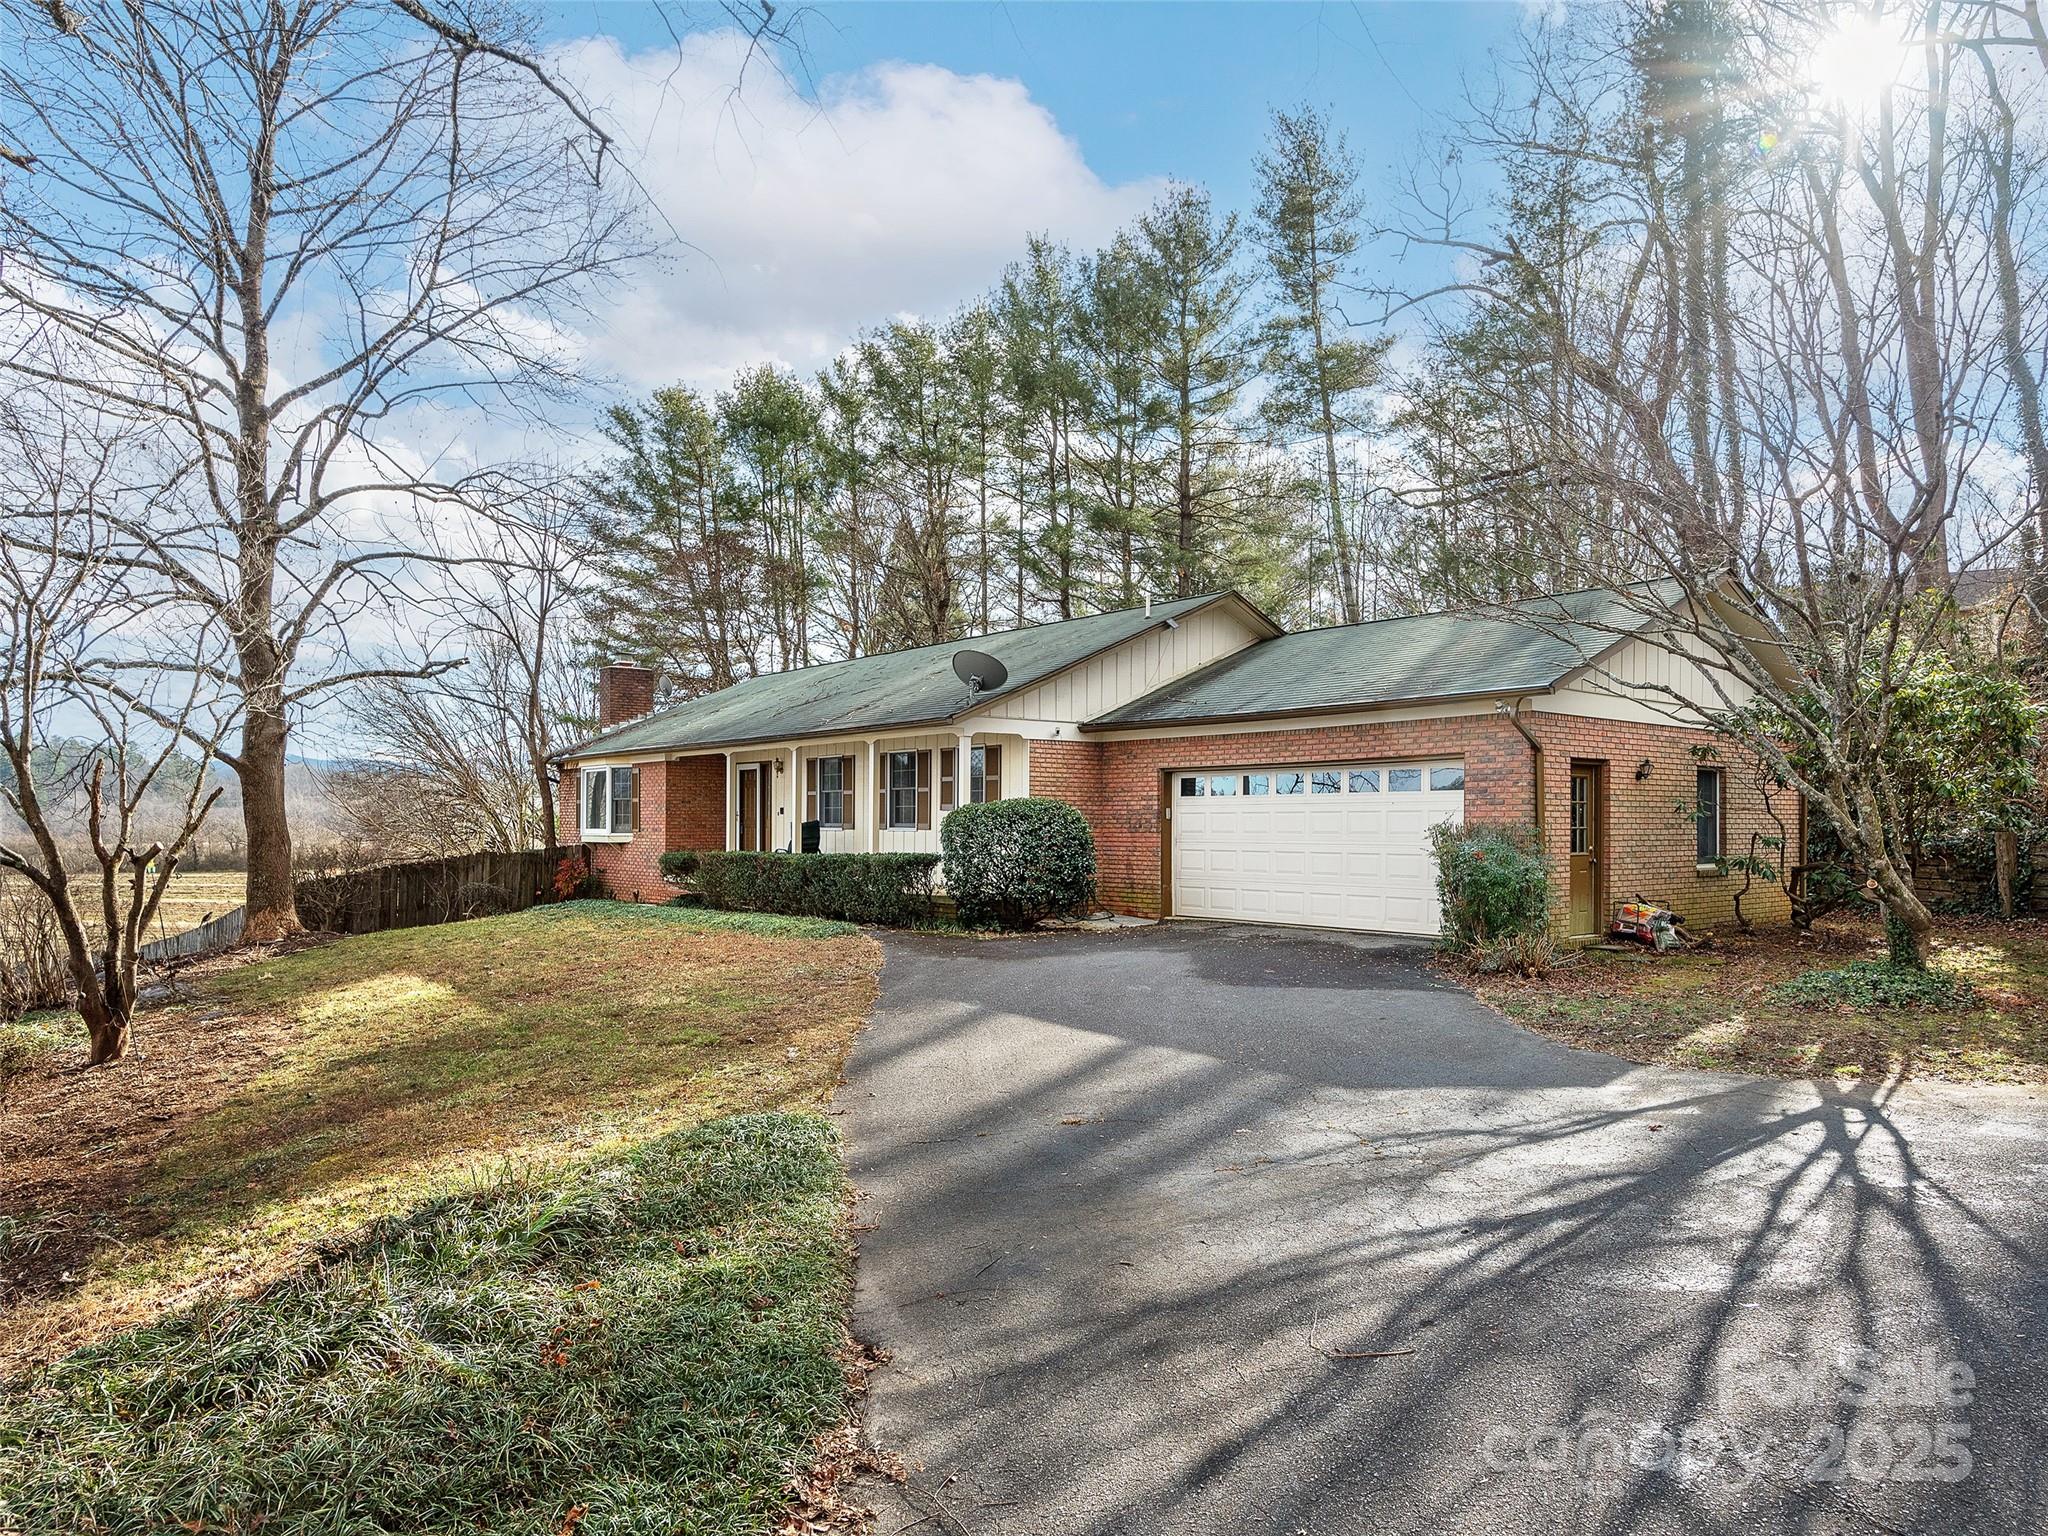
x=1200 y=355
x=678 y=587
x=1317 y=371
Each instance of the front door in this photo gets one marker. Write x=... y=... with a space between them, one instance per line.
x=753 y=828
x=1585 y=851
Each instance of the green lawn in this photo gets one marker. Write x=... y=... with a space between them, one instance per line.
x=1819 y=1006
x=653 y=1340
x=448 y=1228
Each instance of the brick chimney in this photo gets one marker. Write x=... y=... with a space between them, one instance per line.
x=624 y=692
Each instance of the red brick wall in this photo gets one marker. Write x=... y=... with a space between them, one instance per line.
x=1648 y=845
x=1070 y=771
x=696 y=802
x=1647 y=840
x=623 y=693
x=682 y=805
x=1647 y=837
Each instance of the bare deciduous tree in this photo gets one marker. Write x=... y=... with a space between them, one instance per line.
x=64 y=594
x=465 y=761
x=285 y=235
x=1759 y=350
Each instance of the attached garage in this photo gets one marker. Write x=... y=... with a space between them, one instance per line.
x=1343 y=845
x=1231 y=771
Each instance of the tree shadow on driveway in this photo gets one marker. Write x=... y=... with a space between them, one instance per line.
x=1219 y=1229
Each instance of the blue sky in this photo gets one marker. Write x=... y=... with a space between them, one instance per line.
x=1160 y=88
x=904 y=157
x=911 y=147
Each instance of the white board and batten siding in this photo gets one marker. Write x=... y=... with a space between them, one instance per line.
x=1327 y=846
x=1054 y=707
x=1643 y=680
x=1129 y=671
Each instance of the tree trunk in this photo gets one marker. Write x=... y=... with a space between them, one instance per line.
x=1908 y=925
x=107 y=1028
x=270 y=899
x=2012 y=308
x=105 y=1012
x=982 y=483
x=2005 y=848
x=551 y=838
x=1340 y=534
x=271 y=909
x=1184 y=503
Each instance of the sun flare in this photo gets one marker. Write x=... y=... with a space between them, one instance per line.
x=1854 y=64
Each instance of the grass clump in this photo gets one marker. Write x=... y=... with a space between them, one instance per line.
x=647 y=1344
x=1875 y=984
x=762 y=925
x=26 y=1040
x=1530 y=955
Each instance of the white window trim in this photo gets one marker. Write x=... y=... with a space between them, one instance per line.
x=588 y=833
x=844 y=791
x=889 y=793
x=1272 y=772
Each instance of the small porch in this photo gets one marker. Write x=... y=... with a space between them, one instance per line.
x=883 y=793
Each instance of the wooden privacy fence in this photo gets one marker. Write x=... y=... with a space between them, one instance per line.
x=203 y=940
x=395 y=896
x=429 y=891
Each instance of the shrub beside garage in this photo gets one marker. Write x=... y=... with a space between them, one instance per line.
x=1010 y=863
x=1493 y=886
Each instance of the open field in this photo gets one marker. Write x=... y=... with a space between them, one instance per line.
x=450 y=1172
x=1785 y=1005
x=190 y=900
x=194 y=898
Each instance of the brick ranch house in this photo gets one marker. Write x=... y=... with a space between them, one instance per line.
x=1229 y=770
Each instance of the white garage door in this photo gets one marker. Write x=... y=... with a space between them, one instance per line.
x=1334 y=847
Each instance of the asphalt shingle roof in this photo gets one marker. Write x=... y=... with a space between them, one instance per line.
x=1983 y=584
x=1392 y=661
x=882 y=692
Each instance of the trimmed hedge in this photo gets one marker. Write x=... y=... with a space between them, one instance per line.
x=1011 y=862
x=892 y=890
x=1492 y=883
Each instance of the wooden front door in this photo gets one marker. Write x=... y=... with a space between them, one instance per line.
x=753 y=837
x=1585 y=851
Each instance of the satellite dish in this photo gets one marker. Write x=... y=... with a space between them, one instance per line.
x=979 y=671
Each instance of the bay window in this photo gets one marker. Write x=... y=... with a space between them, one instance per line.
x=610 y=800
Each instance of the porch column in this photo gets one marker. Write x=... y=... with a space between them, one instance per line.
x=732 y=803
x=870 y=815
x=796 y=805
x=963 y=770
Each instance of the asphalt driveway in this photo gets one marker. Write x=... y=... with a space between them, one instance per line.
x=1143 y=1210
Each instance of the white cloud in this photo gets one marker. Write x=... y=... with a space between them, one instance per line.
x=902 y=188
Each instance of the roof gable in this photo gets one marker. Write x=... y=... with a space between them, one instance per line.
x=891 y=690
x=1423 y=658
